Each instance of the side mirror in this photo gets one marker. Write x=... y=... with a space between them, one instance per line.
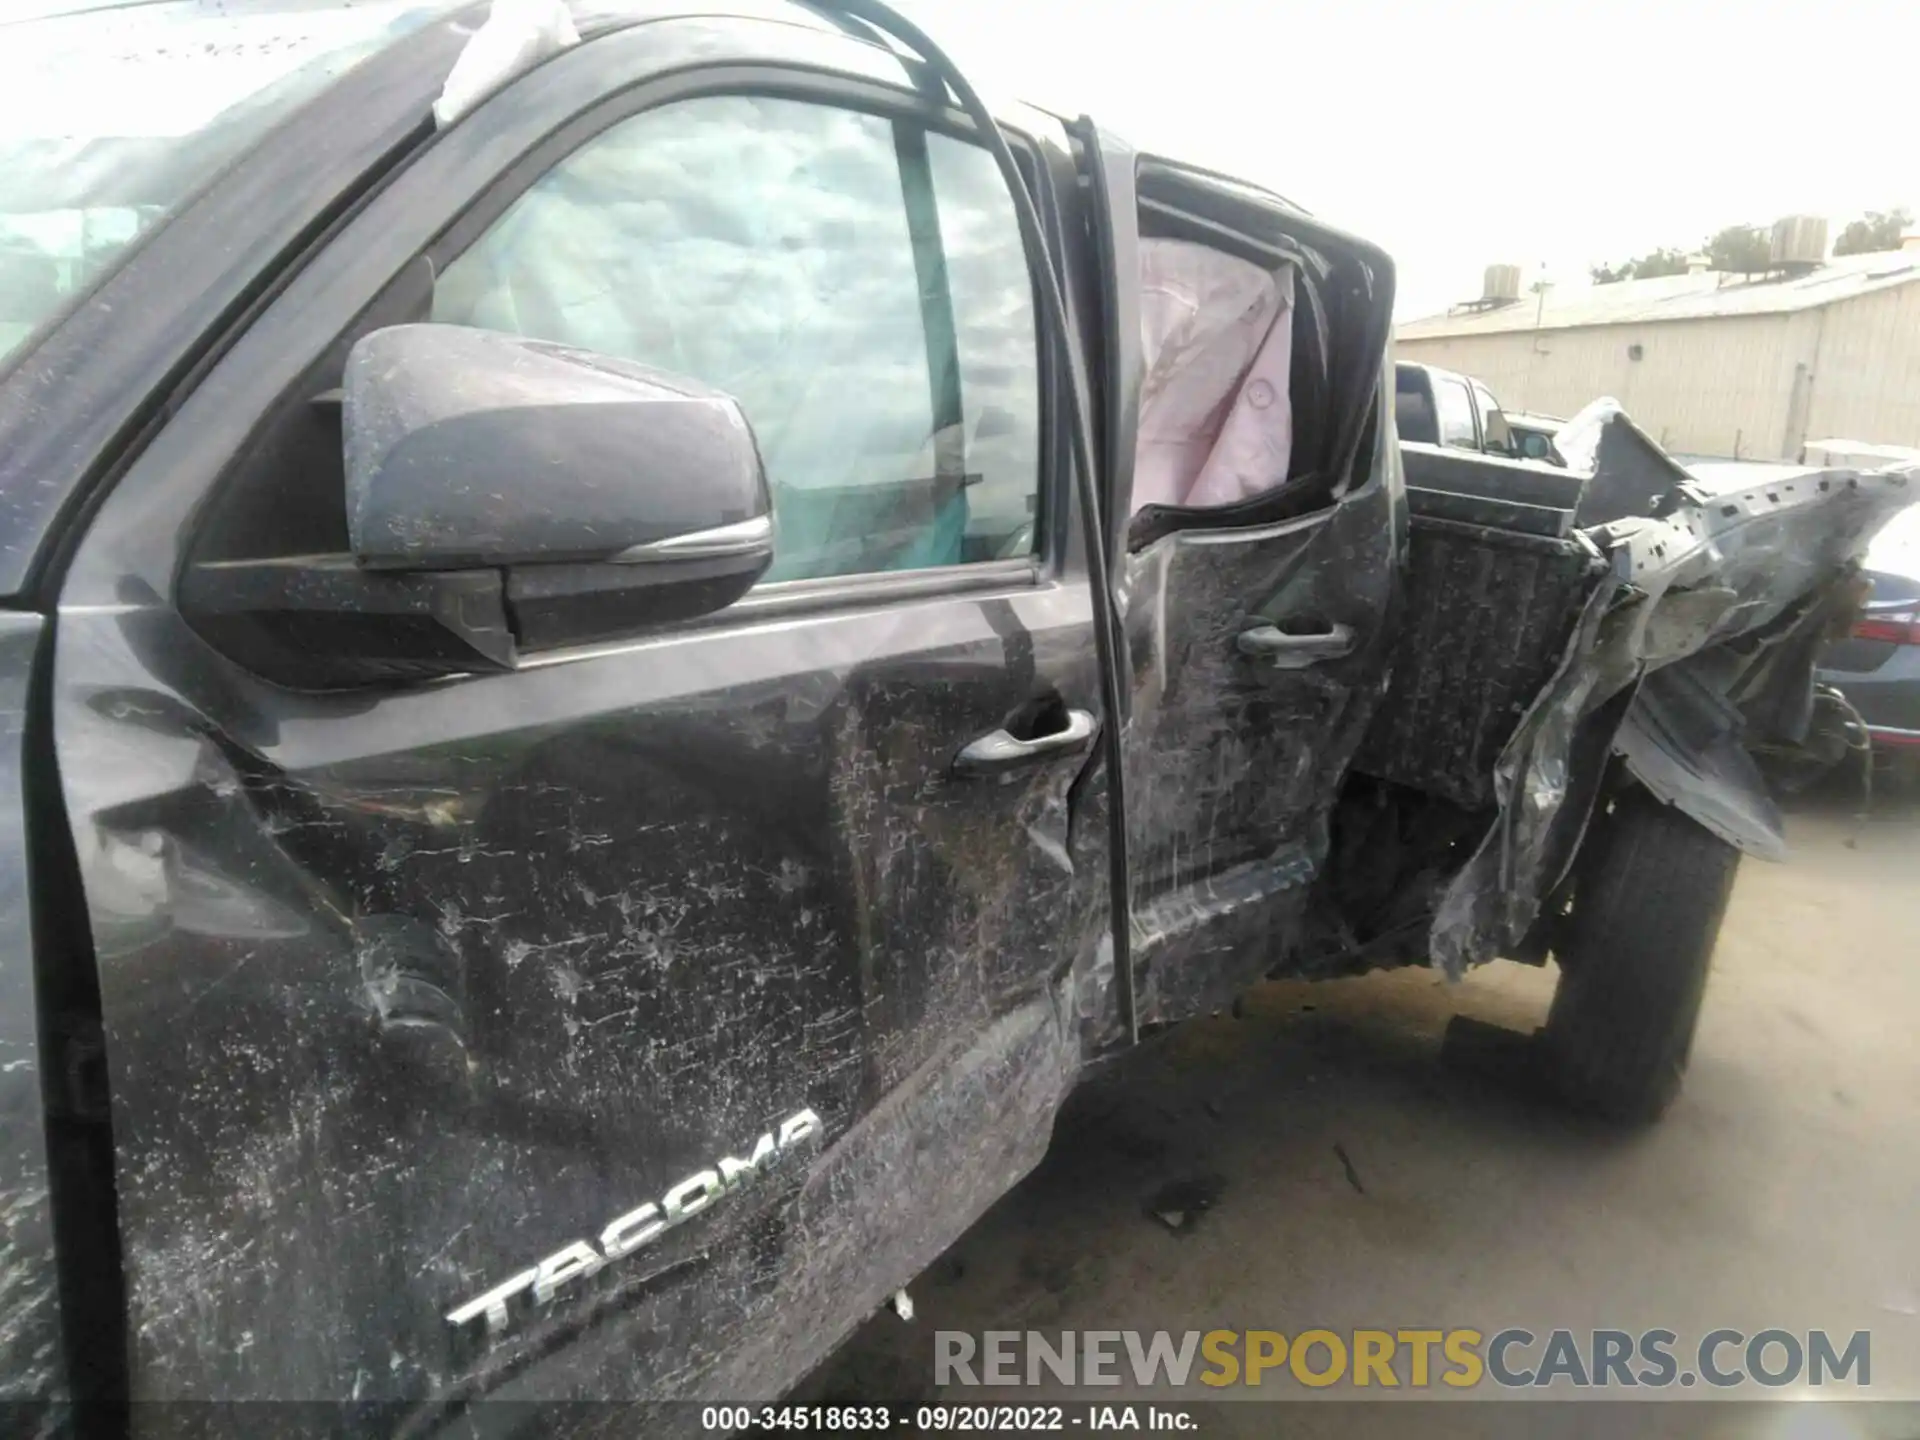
x=502 y=494
x=612 y=495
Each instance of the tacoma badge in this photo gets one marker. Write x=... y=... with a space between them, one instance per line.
x=627 y=1233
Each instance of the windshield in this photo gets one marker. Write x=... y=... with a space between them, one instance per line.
x=112 y=119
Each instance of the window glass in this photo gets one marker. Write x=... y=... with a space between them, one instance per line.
x=1494 y=433
x=1456 y=413
x=114 y=117
x=858 y=285
x=1413 y=416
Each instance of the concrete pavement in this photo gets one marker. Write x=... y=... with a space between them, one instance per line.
x=1359 y=1181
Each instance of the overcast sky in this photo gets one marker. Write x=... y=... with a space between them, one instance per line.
x=1479 y=131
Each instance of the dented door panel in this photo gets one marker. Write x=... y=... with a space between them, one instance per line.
x=650 y=1010
x=418 y=997
x=408 y=993
x=1257 y=629
x=1237 y=745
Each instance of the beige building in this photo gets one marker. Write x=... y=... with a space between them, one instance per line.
x=1708 y=364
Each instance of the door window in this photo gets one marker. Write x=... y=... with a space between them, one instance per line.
x=857 y=283
x=1456 y=413
x=1413 y=416
x=1494 y=433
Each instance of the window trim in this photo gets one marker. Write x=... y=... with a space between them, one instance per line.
x=1485 y=407
x=336 y=289
x=826 y=595
x=1052 y=502
x=1474 y=441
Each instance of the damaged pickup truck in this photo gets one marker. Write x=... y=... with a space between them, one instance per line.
x=617 y=675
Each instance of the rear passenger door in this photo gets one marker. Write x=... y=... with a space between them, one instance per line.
x=1257 y=627
x=583 y=1028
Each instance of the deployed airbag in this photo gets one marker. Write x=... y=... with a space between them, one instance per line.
x=1216 y=420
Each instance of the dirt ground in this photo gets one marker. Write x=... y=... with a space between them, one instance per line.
x=1356 y=1180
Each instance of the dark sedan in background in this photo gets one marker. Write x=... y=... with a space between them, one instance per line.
x=1877 y=665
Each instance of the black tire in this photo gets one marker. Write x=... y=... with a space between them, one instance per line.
x=1648 y=898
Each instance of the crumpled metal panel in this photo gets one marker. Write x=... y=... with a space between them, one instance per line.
x=1682 y=740
x=1731 y=558
x=406 y=991
x=1234 y=761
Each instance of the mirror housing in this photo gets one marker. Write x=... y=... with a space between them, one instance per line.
x=468 y=448
x=502 y=495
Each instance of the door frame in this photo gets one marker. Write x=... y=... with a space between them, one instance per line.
x=154 y=512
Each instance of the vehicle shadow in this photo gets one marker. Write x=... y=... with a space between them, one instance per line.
x=1890 y=795
x=1324 y=1157
x=1314 y=1116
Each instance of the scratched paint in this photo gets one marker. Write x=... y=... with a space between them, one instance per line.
x=402 y=996
x=408 y=987
x=31 y=1366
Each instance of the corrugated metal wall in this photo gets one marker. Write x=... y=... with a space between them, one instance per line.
x=1751 y=386
x=1867 y=376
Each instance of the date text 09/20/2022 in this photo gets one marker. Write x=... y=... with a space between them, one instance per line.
x=933 y=1419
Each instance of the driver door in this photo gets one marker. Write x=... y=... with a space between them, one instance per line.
x=629 y=1021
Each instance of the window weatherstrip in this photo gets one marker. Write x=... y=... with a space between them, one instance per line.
x=936 y=308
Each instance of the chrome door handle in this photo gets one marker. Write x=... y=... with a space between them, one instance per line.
x=1001 y=749
x=1294 y=652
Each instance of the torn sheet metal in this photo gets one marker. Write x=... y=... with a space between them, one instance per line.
x=1236 y=751
x=1736 y=554
x=1578 y=441
x=1683 y=741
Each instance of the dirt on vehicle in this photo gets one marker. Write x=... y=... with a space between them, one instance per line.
x=1364 y=1174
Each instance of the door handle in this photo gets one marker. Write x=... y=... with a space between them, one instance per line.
x=1295 y=652
x=1002 y=750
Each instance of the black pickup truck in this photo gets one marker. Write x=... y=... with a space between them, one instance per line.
x=614 y=681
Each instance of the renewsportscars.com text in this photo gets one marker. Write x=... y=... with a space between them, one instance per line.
x=1413 y=1358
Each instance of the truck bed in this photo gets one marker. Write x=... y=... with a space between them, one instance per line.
x=1503 y=556
x=1487 y=617
x=1496 y=577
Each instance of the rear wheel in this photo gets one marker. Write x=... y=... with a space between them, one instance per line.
x=1647 y=903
